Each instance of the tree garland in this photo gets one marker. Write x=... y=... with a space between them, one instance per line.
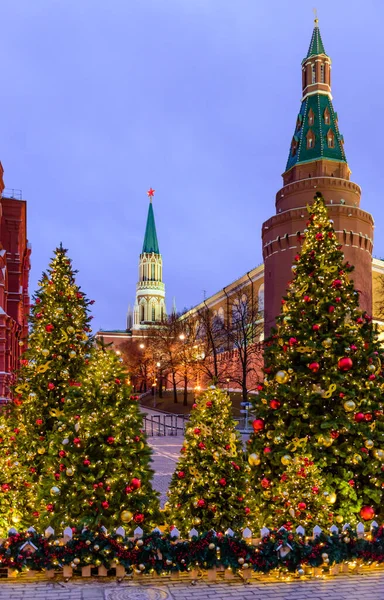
x=164 y=555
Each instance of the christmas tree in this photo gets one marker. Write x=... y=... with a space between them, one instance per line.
x=322 y=395
x=58 y=348
x=97 y=470
x=210 y=488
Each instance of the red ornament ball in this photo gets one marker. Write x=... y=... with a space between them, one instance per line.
x=86 y=462
x=181 y=474
x=265 y=483
x=208 y=404
x=247 y=510
x=139 y=518
x=201 y=503
x=76 y=440
x=345 y=363
x=315 y=489
x=314 y=367
x=367 y=513
x=258 y=425
x=359 y=417
x=315 y=327
x=275 y=404
x=135 y=483
x=331 y=309
x=301 y=506
x=197 y=431
x=267 y=450
x=223 y=482
x=110 y=440
x=368 y=417
x=105 y=504
x=49 y=328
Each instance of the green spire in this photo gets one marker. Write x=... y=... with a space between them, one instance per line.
x=316 y=46
x=150 y=239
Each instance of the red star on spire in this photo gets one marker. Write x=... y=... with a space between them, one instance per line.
x=150 y=193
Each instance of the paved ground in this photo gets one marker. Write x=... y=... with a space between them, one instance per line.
x=369 y=586
x=166 y=452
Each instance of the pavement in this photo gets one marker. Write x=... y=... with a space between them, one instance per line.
x=369 y=586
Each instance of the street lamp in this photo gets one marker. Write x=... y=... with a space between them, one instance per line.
x=182 y=336
x=142 y=346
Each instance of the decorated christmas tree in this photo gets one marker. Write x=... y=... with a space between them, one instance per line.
x=97 y=471
x=323 y=390
x=58 y=348
x=210 y=488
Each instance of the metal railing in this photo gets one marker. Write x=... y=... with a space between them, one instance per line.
x=165 y=424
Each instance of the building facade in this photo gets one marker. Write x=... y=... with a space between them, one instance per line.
x=14 y=277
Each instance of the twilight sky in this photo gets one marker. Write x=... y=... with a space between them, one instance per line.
x=196 y=98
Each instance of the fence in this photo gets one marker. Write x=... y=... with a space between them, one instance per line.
x=321 y=552
x=165 y=424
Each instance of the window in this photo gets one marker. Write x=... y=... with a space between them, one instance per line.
x=153 y=271
x=313 y=74
x=293 y=147
x=220 y=314
x=142 y=315
x=260 y=298
x=162 y=312
x=311 y=117
x=331 y=139
x=310 y=139
x=153 y=312
x=322 y=74
x=326 y=116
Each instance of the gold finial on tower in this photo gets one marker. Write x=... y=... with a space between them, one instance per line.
x=316 y=17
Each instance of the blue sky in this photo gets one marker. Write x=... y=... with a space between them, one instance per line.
x=196 y=98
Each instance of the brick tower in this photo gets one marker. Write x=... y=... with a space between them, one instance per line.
x=316 y=162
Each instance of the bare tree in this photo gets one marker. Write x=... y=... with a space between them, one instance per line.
x=137 y=356
x=211 y=340
x=378 y=308
x=242 y=330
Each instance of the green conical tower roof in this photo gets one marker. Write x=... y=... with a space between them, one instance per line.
x=316 y=46
x=317 y=134
x=150 y=239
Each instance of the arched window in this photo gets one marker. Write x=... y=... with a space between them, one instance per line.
x=220 y=314
x=142 y=312
x=153 y=312
x=322 y=74
x=162 y=312
x=311 y=117
x=260 y=298
x=153 y=271
x=313 y=73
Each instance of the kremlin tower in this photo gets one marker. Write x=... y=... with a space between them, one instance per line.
x=149 y=307
x=316 y=162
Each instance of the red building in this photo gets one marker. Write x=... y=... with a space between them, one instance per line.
x=14 y=273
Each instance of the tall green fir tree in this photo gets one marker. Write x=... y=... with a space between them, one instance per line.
x=322 y=395
x=59 y=345
x=97 y=470
x=210 y=488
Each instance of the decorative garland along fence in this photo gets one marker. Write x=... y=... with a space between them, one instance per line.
x=281 y=553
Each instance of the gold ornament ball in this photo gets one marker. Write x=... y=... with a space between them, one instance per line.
x=371 y=368
x=240 y=561
x=21 y=343
x=139 y=543
x=72 y=354
x=96 y=547
x=15 y=519
x=41 y=450
x=197 y=521
x=126 y=516
x=379 y=454
x=55 y=491
x=267 y=494
x=331 y=498
x=278 y=439
x=71 y=329
x=300 y=572
x=286 y=459
x=356 y=459
x=45 y=352
x=327 y=343
x=369 y=444
x=65 y=373
x=349 y=405
x=270 y=434
x=324 y=556
x=88 y=542
x=327 y=441
x=211 y=546
x=142 y=567
x=281 y=376
x=69 y=472
x=76 y=561
x=216 y=456
x=339 y=518
x=60 y=309
x=254 y=459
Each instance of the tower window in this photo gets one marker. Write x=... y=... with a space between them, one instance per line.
x=322 y=74
x=153 y=312
x=310 y=139
x=311 y=117
x=313 y=73
x=326 y=116
x=142 y=312
x=152 y=271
